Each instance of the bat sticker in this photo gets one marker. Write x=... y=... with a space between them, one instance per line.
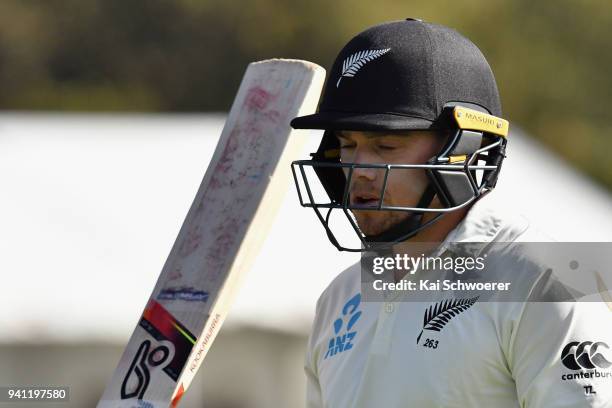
x=148 y=358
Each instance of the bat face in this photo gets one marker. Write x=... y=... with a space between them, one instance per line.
x=220 y=237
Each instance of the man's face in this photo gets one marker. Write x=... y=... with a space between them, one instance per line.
x=404 y=187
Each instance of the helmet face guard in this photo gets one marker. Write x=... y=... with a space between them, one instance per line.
x=476 y=147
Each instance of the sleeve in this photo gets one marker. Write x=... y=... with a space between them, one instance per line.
x=314 y=396
x=561 y=355
x=313 y=389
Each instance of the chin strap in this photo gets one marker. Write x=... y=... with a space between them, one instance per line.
x=410 y=226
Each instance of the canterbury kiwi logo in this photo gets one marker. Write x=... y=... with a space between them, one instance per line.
x=355 y=62
x=436 y=317
x=577 y=355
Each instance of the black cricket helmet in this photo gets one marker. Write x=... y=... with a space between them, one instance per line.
x=398 y=76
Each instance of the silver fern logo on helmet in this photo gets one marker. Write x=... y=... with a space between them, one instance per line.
x=355 y=62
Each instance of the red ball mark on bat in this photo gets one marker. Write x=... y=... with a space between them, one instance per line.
x=191 y=242
x=175 y=274
x=273 y=116
x=226 y=161
x=225 y=236
x=258 y=98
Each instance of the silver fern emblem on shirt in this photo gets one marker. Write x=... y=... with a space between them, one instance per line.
x=355 y=62
x=435 y=318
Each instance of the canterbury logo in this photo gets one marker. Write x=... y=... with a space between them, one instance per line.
x=355 y=62
x=577 y=355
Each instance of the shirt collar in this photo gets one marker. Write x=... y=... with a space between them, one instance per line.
x=482 y=225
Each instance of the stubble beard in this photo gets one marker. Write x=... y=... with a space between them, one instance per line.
x=376 y=222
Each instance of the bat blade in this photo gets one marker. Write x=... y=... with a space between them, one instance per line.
x=224 y=229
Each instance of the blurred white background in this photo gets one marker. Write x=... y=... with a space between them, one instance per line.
x=91 y=205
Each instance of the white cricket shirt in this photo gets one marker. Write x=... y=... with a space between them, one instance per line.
x=502 y=354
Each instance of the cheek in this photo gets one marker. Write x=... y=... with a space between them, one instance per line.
x=404 y=187
x=420 y=149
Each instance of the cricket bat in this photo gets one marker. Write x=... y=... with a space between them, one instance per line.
x=225 y=227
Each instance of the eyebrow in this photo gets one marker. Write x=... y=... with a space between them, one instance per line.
x=338 y=133
x=369 y=135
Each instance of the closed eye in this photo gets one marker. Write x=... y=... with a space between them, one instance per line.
x=347 y=145
x=386 y=147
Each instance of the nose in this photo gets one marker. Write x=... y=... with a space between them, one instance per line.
x=364 y=155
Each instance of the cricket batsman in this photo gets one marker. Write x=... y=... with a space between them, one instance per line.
x=413 y=144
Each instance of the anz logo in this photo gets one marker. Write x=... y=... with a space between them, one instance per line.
x=343 y=327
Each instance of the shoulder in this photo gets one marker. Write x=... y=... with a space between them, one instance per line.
x=490 y=220
x=512 y=243
x=344 y=286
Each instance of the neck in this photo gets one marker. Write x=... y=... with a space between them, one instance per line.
x=433 y=235
x=427 y=240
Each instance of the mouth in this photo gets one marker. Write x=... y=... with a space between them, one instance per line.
x=365 y=200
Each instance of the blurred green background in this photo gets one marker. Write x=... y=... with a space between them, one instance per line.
x=551 y=58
